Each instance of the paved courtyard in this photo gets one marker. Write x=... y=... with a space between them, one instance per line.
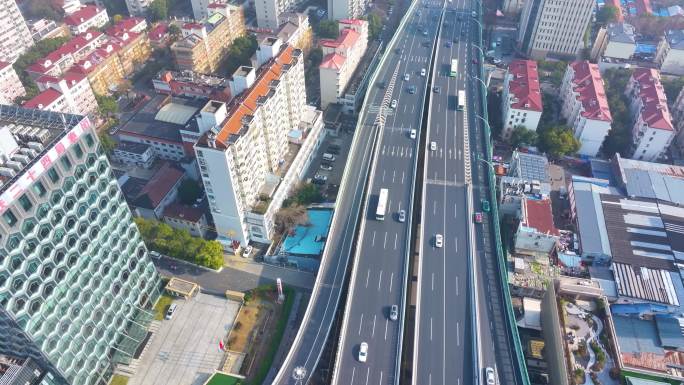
x=184 y=351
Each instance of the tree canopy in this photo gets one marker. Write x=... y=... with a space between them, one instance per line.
x=374 y=25
x=38 y=9
x=107 y=142
x=107 y=105
x=305 y=194
x=558 y=141
x=619 y=137
x=328 y=29
x=180 y=244
x=158 y=10
x=239 y=53
x=607 y=14
x=521 y=136
x=672 y=86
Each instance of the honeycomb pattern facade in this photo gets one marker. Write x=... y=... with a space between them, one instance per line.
x=74 y=271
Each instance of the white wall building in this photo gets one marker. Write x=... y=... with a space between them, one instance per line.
x=88 y=17
x=522 y=100
x=678 y=119
x=653 y=130
x=341 y=57
x=536 y=235
x=269 y=12
x=621 y=41
x=346 y=9
x=137 y=7
x=15 y=37
x=670 y=52
x=71 y=94
x=554 y=26
x=585 y=105
x=243 y=156
x=10 y=85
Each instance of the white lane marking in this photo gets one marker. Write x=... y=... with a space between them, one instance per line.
x=455 y=210
x=383 y=175
x=429 y=378
x=373 y=332
x=394 y=174
x=403 y=174
x=430 y=328
x=360 y=323
x=456 y=244
x=391 y=280
x=384 y=245
x=457 y=285
x=381 y=377
x=434 y=206
x=367 y=277
x=373 y=240
x=386 y=325
x=380 y=280
x=353 y=372
x=367 y=375
x=458 y=336
x=396 y=237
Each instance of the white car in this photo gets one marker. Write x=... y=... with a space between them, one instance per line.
x=394 y=103
x=247 y=252
x=412 y=134
x=490 y=376
x=433 y=146
x=363 y=352
x=422 y=72
x=402 y=216
x=439 y=241
x=406 y=77
x=394 y=313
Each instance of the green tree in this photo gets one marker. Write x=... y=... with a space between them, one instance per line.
x=117 y=18
x=287 y=218
x=521 y=137
x=189 y=191
x=38 y=9
x=39 y=50
x=115 y=7
x=158 y=10
x=672 y=86
x=607 y=14
x=306 y=194
x=374 y=25
x=328 y=29
x=174 y=31
x=107 y=105
x=315 y=57
x=108 y=144
x=558 y=141
x=619 y=139
x=239 y=53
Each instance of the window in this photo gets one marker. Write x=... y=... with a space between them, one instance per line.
x=54 y=177
x=39 y=189
x=9 y=218
x=78 y=151
x=25 y=203
x=89 y=140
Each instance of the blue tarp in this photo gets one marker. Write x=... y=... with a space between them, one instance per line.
x=645 y=48
x=570 y=260
x=640 y=308
x=309 y=240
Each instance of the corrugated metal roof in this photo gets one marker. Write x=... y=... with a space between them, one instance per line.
x=175 y=113
x=592 y=228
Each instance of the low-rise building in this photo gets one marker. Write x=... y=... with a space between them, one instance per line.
x=204 y=45
x=522 y=99
x=159 y=35
x=134 y=154
x=192 y=84
x=617 y=40
x=188 y=218
x=71 y=94
x=653 y=130
x=247 y=164
x=129 y=24
x=341 y=57
x=103 y=68
x=269 y=12
x=536 y=234
x=10 y=84
x=529 y=167
x=86 y=18
x=133 y=49
x=46 y=29
x=670 y=52
x=296 y=31
x=513 y=190
x=57 y=62
x=585 y=106
x=160 y=124
x=149 y=198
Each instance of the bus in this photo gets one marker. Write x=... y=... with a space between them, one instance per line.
x=461 y=100
x=382 y=205
x=454 y=68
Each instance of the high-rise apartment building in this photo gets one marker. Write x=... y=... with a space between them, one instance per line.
x=71 y=94
x=522 y=99
x=75 y=277
x=243 y=151
x=269 y=11
x=653 y=130
x=585 y=105
x=10 y=85
x=15 y=37
x=554 y=27
x=346 y=9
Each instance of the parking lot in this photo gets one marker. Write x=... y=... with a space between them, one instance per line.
x=328 y=173
x=184 y=351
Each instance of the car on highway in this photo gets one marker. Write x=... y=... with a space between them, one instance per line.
x=425 y=32
x=437 y=89
x=497 y=61
x=394 y=313
x=490 y=377
x=422 y=72
x=448 y=44
x=412 y=89
x=473 y=14
x=439 y=240
x=363 y=352
x=402 y=216
x=412 y=134
x=406 y=77
x=433 y=146
x=394 y=103
x=485 y=205
x=319 y=177
x=478 y=217
x=326 y=166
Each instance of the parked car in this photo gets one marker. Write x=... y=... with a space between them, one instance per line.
x=170 y=311
x=247 y=252
x=326 y=166
x=394 y=103
x=437 y=89
x=413 y=134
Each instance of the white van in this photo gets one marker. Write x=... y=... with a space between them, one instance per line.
x=171 y=310
x=328 y=157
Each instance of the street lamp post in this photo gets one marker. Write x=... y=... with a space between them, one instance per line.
x=484 y=85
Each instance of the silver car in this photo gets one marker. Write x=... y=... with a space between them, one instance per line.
x=402 y=216
x=394 y=313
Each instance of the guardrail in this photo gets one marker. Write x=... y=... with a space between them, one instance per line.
x=503 y=271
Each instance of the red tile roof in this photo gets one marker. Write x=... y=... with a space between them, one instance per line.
x=186 y=213
x=332 y=60
x=161 y=184
x=192 y=26
x=654 y=112
x=348 y=37
x=525 y=85
x=158 y=32
x=537 y=214
x=351 y=21
x=589 y=86
x=82 y=15
x=69 y=48
x=43 y=99
x=246 y=102
x=125 y=25
x=616 y=4
x=4 y=64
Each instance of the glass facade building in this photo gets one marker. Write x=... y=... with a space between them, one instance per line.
x=76 y=281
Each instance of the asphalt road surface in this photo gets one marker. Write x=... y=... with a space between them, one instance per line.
x=382 y=250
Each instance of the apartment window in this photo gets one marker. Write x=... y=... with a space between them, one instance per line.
x=66 y=163
x=25 y=203
x=39 y=189
x=9 y=218
x=54 y=177
x=78 y=151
